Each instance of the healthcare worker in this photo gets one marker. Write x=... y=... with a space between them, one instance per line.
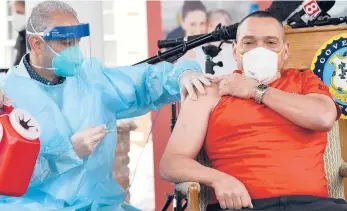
x=18 y=24
x=76 y=100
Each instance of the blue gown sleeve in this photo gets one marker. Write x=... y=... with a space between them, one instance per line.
x=134 y=90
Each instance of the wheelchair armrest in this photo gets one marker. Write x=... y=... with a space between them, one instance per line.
x=343 y=170
x=192 y=189
x=184 y=187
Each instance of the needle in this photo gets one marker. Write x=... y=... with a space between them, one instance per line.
x=111 y=131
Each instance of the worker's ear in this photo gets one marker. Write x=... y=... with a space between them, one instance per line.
x=35 y=44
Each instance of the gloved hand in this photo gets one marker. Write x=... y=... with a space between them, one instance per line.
x=84 y=142
x=189 y=80
x=4 y=100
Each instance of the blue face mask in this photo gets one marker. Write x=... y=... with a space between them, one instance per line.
x=68 y=62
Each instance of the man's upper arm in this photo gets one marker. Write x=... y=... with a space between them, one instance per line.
x=314 y=87
x=190 y=130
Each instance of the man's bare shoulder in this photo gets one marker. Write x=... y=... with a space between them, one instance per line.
x=204 y=101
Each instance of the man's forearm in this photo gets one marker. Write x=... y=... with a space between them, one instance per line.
x=178 y=169
x=305 y=111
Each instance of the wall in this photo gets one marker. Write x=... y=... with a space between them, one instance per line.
x=161 y=129
x=8 y=36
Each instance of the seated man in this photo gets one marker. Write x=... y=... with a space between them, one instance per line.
x=265 y=140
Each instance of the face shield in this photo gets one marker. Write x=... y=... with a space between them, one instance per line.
x=66 y=48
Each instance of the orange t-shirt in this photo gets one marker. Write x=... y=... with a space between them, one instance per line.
x=269 y=154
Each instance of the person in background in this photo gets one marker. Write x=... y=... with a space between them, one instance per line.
x=175 y=33
x=18 y=24
x=218 y=16
x=193 y=20
x=215 y=17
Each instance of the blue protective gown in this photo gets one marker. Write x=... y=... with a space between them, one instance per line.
x=98 y=95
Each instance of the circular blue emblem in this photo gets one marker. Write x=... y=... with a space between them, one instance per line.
x=330 y=65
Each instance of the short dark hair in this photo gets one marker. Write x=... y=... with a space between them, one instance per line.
x=189 y=6
x=259 y=14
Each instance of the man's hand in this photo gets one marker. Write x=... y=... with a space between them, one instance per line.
x=231 y=193
x=237 y=85
x=190 y=80
x=84 y=142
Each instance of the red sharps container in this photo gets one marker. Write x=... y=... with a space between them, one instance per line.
x=19 y=149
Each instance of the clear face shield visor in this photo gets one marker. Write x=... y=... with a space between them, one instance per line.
x=66 y=48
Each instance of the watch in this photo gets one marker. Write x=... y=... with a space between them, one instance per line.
x=260 y=91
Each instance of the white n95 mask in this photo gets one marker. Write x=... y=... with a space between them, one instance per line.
x=260 y=64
